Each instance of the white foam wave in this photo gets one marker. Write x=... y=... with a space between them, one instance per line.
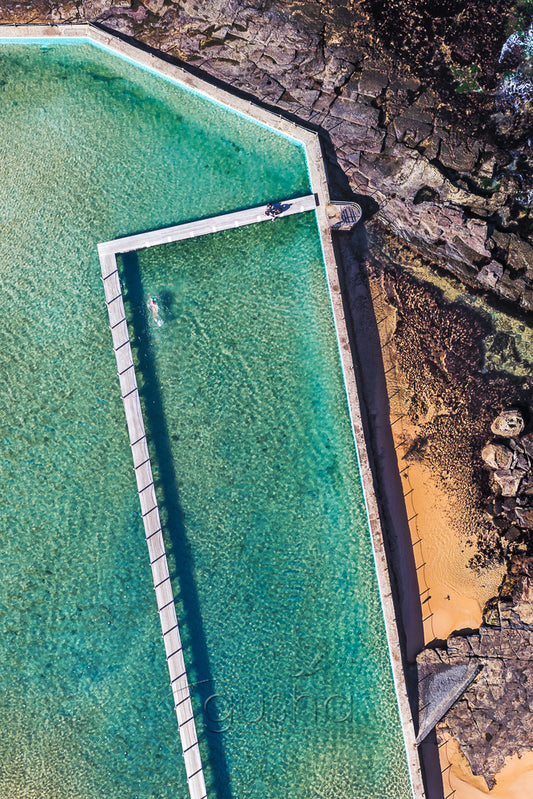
x=522 y=39
x=516 y=90
x=516 y=87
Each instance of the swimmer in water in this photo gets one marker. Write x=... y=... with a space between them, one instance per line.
x=154 y=307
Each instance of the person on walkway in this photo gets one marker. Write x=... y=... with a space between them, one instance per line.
x=273 y=210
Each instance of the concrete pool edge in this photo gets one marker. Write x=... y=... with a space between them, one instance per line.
x=317 y=175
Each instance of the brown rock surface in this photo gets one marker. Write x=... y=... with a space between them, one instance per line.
x=497 y=456
x=493 y=720
x=508 y=423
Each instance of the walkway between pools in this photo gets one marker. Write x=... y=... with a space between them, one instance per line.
x=107 y=252
x=202 y=227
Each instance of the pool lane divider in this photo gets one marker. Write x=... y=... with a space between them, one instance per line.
x=129 y=391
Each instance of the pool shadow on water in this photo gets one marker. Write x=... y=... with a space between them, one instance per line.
x=168 y=498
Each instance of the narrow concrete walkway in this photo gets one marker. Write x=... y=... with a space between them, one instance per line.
x=107 y=252
x=202 y=227
x=152 y=527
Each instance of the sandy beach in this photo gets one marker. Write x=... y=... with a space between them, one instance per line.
x=442 y=525
x=453 y=596
x=514 y=781
x=452 y=593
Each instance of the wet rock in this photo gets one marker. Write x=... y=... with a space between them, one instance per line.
x=490 y=274
x=508 y=423
x=509 y=481
x=497 y=456
x=524 y=517
x=525 y=444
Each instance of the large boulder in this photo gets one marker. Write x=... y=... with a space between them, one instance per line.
x=509 y=481
x=493 y=720
x=508 y=423
x=524 y=517
x=497 y=456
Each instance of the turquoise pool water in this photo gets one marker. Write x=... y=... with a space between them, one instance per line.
x=252 y=449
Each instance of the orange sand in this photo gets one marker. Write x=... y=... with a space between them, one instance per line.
x=451 y=590
x=457 y=595
x=452 y=593
x=514 y=781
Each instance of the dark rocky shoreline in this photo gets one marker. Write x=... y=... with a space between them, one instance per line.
x=453 y=386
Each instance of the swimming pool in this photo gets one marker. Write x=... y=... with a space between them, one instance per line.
x=251 y=444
